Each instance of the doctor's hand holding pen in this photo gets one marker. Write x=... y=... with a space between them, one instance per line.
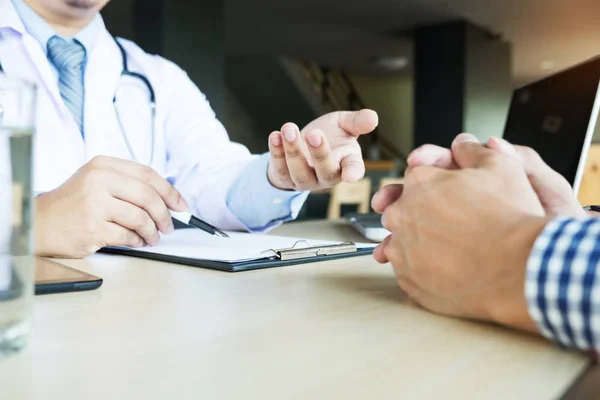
x=114 y=202
x=107 y=202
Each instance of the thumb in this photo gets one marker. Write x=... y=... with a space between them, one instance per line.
x=357 y=123
x=468 y=152
x=553 y=190
x=532 y=163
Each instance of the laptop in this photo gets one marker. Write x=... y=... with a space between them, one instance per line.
x=557 y=116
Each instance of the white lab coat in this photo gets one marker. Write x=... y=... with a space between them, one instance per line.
x=190 y=143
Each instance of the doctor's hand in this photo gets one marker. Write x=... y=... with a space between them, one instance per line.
x=323 y=154
x=107 y=202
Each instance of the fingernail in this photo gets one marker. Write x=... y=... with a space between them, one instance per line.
x=276 y=140
x=315 y=140
x=290 y=133
x=466 y=138
x=376 y=197
x=383 y=220
x=504 y=146
x=183 y=202
x=170 y=228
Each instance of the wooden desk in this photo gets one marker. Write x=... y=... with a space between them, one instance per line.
x=338 y=330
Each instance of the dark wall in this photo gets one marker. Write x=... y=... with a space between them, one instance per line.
x=118 y=17
x=266 y=91
x=194 y=38
x=440 y=63
x=462 y=83
x=489 y=85
x=189 y=33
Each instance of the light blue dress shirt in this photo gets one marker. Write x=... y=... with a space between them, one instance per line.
x=273 y=207
x=42 y=32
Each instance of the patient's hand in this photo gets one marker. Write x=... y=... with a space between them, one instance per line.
x=553 y=190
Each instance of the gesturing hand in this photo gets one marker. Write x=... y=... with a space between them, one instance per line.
x=323 y=154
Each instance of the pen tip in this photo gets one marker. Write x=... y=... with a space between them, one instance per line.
x=221 y=234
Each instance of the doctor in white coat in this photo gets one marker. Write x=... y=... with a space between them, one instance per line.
x=123 y=136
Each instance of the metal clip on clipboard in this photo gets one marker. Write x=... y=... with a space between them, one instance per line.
x=295 y=252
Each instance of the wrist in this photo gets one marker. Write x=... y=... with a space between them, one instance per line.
x=508 y=305
x=274 y=181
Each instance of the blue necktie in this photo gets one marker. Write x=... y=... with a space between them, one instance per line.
x=69 y=58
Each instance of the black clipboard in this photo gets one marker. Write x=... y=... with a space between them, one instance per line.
x=273 y=258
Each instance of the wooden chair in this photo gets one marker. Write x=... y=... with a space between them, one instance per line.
x=589 y=191
x=390 y=181
x=344 y=193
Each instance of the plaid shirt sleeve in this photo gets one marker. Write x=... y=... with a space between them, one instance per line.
x=563 y=282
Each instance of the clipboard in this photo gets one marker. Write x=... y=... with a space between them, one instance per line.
x=297 y=254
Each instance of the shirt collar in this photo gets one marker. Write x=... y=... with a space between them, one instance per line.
x=42 y=32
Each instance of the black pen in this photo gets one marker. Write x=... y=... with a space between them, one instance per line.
x=190 y=220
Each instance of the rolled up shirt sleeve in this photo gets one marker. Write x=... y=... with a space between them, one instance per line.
x=259 y=205
x=563 y=282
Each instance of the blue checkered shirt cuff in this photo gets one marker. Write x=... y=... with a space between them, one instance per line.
x=563 y=283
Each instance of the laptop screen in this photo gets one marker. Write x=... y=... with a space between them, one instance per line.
x=555 y=117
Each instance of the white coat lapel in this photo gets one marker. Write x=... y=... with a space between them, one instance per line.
x=37 y=64
x=102 y=76
x=102 y=73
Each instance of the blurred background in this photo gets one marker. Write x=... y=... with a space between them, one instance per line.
x=430 y=68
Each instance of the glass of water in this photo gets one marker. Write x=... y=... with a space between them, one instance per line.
x=17 y=122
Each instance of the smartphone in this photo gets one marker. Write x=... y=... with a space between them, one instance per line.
x=52 y=277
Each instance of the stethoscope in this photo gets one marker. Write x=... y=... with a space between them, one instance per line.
x=125 y=71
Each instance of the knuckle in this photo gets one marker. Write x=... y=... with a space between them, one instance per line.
x=353 y=164
x=390 y=253
x=292 y=153
x=332 y=178
x=320 y=156
x=89 y=249
x=530 y=154
x=132 y=239
x=147 y=174
x=162 y=222
x=493 y=158
x=283 y=172
x=141 y=219
x=387 y=219
x=90 y=225
x=497 y=160
x=302 y=180
x=278 y=155
x=417 y=175
x=95 y=174
x=173 y=194
x=98 y=162
x=146 y=196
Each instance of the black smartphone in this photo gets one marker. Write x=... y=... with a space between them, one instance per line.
x=52 y=277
